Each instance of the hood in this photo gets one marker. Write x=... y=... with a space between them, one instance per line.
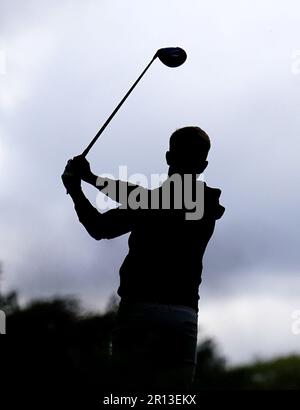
x=212 y=205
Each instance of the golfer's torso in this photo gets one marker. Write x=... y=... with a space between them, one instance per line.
x=164 y=262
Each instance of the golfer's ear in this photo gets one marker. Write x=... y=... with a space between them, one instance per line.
x=168 y=157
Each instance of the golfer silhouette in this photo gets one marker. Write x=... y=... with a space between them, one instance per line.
x=155 y=336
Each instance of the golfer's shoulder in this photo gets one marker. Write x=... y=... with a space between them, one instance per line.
x=212 y=192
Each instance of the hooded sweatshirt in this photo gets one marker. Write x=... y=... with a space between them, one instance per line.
x=164 y=262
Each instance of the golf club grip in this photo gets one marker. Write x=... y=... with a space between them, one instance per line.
x=86 y=151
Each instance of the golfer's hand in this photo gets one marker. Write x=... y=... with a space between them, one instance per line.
x=70 y=179
x=82 y=169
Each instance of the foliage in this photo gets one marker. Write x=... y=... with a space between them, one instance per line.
x=57 y=346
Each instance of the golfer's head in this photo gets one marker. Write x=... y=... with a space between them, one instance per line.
x=188 y=151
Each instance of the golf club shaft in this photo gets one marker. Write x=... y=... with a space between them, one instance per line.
x=85 y=152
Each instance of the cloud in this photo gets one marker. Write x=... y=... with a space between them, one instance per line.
x=255 y=320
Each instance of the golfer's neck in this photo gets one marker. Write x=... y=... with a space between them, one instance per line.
x=182 y=175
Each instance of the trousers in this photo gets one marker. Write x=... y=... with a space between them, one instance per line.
x=154 y=347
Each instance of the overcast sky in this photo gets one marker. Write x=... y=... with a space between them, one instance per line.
x=64 y=65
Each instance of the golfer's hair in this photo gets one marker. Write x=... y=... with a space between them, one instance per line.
x=190 y=137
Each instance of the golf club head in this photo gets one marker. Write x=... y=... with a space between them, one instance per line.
x=171 y=56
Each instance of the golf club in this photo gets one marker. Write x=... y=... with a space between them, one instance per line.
x=171 y=57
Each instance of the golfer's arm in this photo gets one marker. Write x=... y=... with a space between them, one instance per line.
x=89 y=216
